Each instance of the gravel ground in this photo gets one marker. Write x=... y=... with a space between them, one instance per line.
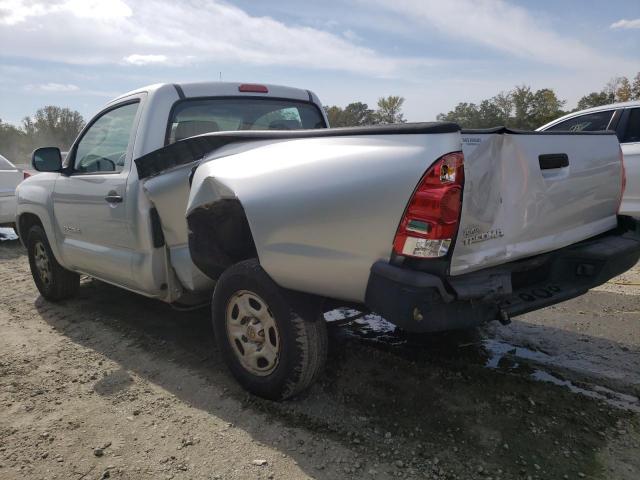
x=113 y=385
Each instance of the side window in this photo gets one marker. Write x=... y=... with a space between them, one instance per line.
x=632 y=133
x=103 y=147
x=591 y=122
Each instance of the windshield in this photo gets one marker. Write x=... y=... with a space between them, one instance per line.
x=195 y=117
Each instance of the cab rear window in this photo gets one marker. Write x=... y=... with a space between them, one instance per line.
x=198 y=116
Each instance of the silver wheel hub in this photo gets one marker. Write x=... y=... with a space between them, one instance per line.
x=253 y=333
x=42 y=263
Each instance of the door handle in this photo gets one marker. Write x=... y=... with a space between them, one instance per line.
x=113 y=197
x=550 y=161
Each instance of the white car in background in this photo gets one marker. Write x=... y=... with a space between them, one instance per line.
x=624 y=119
x=10 y=177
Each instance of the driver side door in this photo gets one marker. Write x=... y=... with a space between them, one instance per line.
x=90 y=202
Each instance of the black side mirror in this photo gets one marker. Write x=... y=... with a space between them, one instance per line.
x=47 y=159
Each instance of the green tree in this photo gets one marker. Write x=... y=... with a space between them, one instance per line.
x=545 y=106
x=51 y=125
x=390 y=110
x=522 y=98
x=612 y=87
x=635 y=88
x=504 y=102
x=13 y=143
x=489 y=114
x=334 y=114
x=620 y=89
x=595 y=99
x=54 y=126
x=624 y=91
x=358 y=114
x=464 y=114
x=355 y=114
x=520 y=108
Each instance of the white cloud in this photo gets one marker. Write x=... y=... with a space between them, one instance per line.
x=351 y=36
x=13 y=12
x=98 y=9
x=177 y=33
x=624 y=23
x=504 y=27
x=53 y=87
x=136 y=59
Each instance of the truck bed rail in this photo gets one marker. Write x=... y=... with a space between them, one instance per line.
x=191 y=149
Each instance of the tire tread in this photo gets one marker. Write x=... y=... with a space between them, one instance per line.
x=65 y=282
x=309 y=334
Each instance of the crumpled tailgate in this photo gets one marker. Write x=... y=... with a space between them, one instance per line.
x=530 y=193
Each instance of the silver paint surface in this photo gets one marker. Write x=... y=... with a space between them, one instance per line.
x=536 y=211
x=322 y=210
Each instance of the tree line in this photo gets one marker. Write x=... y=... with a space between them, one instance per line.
x=358 y=114
x=50 y=126
x=521 y=108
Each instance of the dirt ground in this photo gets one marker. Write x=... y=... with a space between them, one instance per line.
x=113 y=385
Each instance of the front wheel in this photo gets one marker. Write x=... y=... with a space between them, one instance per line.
x=271 y=350
x=53 y=280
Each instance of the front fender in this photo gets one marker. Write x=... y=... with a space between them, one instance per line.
x=34 y=196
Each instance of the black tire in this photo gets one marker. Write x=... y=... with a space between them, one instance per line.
x=57 y=283
x=302 y=342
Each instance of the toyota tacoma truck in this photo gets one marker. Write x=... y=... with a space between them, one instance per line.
x=239 y=193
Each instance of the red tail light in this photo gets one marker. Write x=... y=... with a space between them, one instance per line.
x=624 y=179
x=25 y=174
x=431 y=218
x=252 y=87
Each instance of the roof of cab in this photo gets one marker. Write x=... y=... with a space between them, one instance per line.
x=216 y=89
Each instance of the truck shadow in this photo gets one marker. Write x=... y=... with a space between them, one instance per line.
x=425 y=402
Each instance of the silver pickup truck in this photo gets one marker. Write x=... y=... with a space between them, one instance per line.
x=178 y=191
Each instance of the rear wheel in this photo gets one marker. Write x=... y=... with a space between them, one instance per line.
x=52 y=280
x=272 y=350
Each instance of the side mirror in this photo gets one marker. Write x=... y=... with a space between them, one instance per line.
x=47 y=159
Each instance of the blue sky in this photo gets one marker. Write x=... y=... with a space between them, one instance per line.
x=435 y=53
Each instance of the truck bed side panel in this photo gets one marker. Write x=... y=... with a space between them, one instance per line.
x=323 y=210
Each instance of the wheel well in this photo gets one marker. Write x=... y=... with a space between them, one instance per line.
x=219 y=236
x=25 y=222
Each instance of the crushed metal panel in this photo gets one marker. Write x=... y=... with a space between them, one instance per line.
x=513 y=209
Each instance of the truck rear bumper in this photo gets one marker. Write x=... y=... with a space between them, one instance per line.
x=421 y=302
